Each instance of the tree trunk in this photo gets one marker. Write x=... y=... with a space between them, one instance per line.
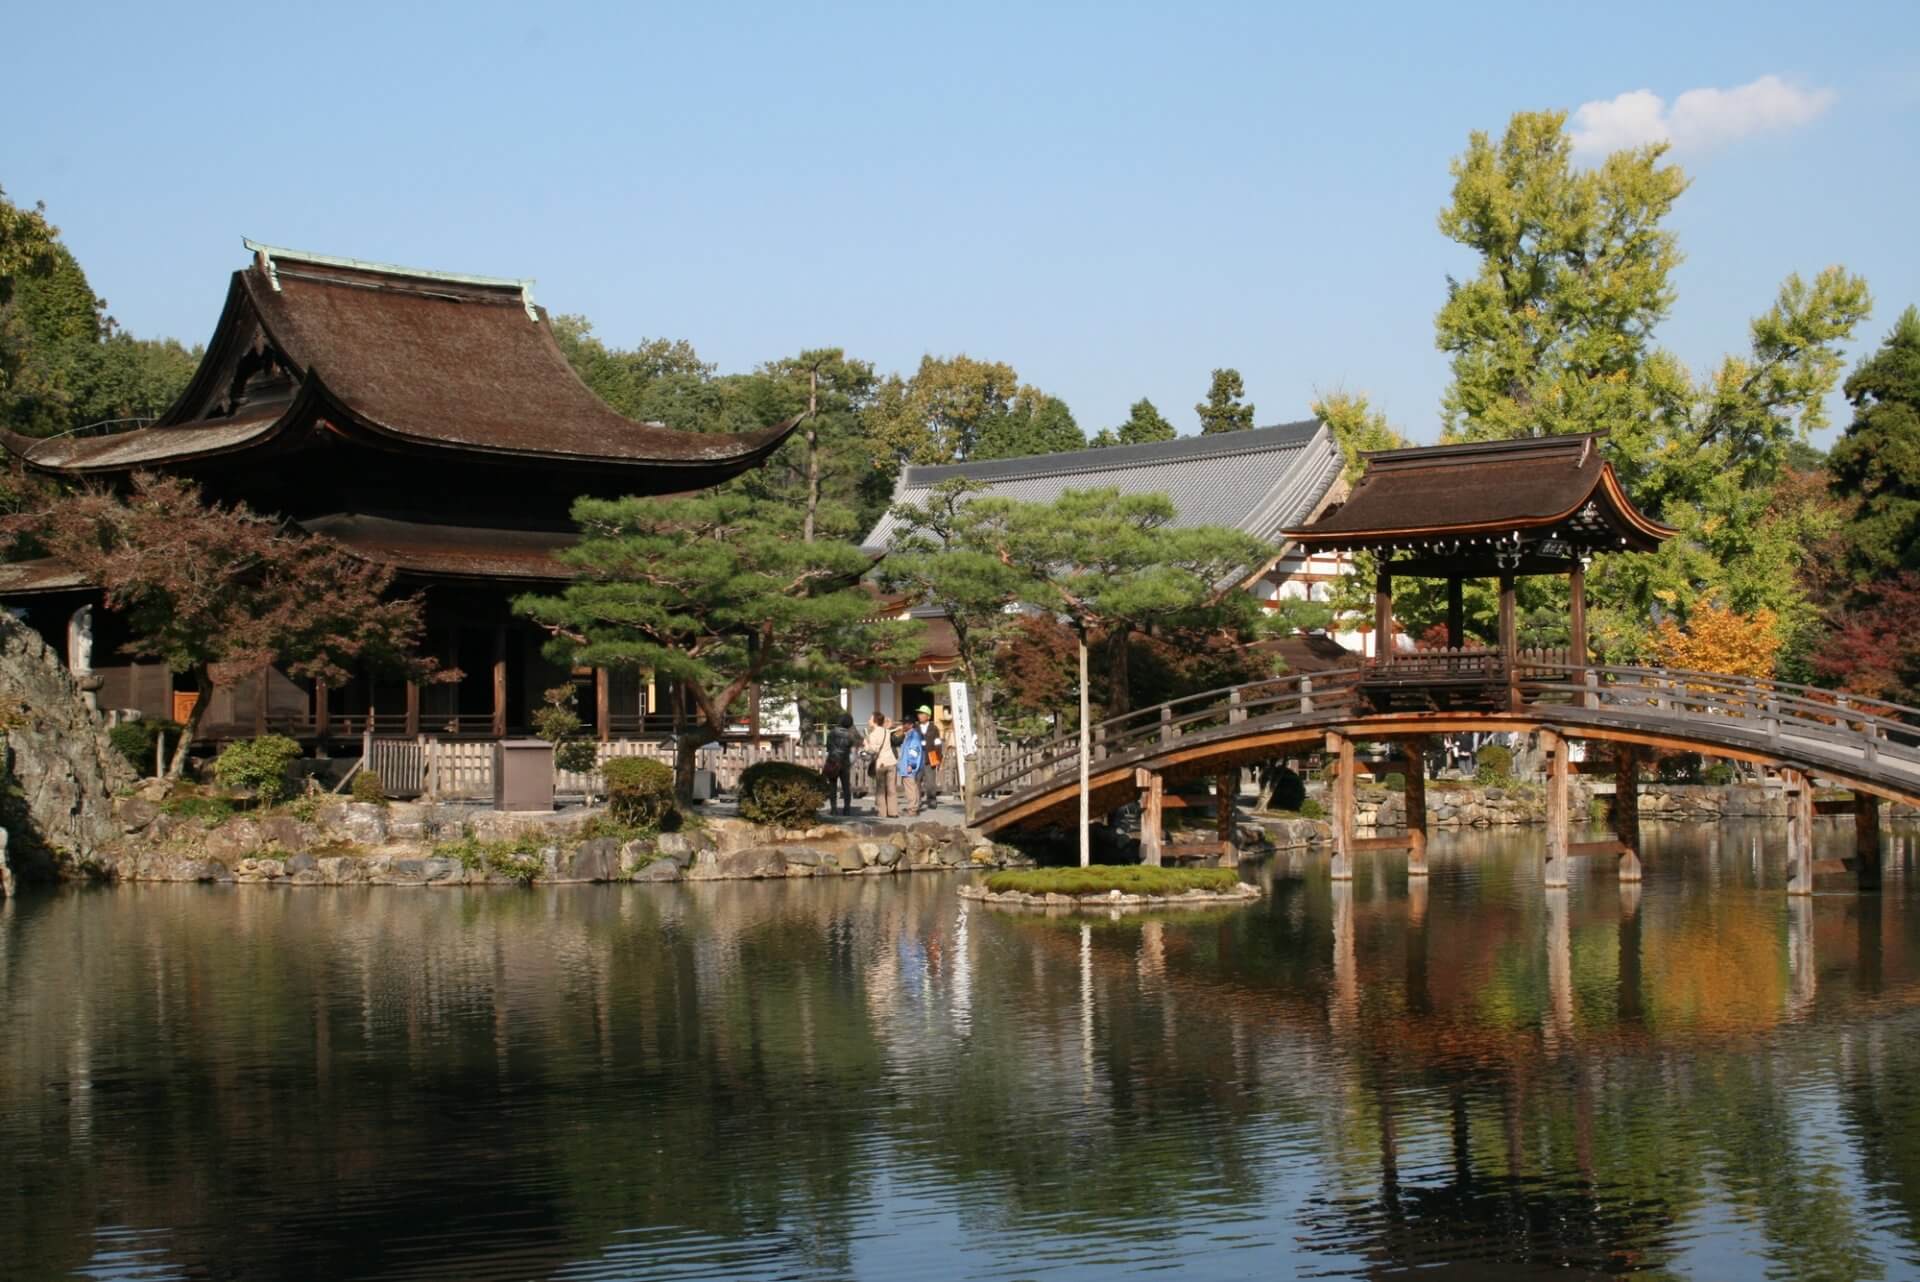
x=813 y=451
x=686 y=748
x=203 y=695
x=1119 y=691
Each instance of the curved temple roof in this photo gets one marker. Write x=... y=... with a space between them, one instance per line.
x=408 y=359
x=1440 y=501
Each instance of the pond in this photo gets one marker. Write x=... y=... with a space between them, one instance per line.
x=865 y=1078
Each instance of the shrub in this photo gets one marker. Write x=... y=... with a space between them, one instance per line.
x=134 y=740
x=370 y=788
x=577 y=755
x=1394 y=782
x=1495 y=765
x=211 y=810
x=258 y=764
x=1128 y=879
x=640 y=790
x=781 y=793
x=1311 y=809
x=1678 y=767
x=1289 y=789
x=1720 y=774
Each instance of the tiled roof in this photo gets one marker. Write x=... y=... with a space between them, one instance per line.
x=1260 y=481
x=448 y=550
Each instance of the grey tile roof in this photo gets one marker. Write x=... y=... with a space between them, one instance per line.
x=1260 y=481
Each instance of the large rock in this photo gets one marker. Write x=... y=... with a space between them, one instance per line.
x=58 y=752
x=662 y=869
x=363 y=822
x=595 y=860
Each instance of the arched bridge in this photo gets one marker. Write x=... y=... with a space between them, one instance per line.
x=1867 y=745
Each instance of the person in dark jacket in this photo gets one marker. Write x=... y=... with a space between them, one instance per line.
x=839 y=765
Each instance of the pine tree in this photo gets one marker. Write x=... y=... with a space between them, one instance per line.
x=1877 y=462
x=1144 y=424
x=1222 y=410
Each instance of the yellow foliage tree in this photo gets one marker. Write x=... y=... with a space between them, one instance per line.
x=1719 y=639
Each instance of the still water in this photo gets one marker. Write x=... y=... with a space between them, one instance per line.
x=864 y=1078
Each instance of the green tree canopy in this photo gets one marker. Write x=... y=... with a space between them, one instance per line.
x=1144 y=424
x=939 y=414
x=718 y=593
x=1034 y=424
x=1357 y=428
x=1876 y=463
x=1222 y=411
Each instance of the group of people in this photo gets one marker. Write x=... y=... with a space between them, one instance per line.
x=901 y=757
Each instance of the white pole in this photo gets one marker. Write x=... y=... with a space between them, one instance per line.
x=1086 y=740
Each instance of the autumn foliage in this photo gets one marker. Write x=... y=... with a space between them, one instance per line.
x=219 y=593
x=1874 y=650
x=1718 y=639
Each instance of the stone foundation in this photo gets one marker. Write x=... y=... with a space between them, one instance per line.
x=1241 y=894
x=354 y=843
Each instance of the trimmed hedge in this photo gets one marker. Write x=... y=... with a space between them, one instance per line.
x=369 y=787
x=1128 y=879
x=1495 y=765
x=258 y=764
x=782 y=794
x=639 y=790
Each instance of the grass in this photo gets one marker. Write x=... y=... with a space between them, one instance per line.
x=518 y=859
x=1128 y=879
x=211 y=810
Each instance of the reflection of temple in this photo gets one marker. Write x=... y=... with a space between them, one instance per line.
x=426 y=421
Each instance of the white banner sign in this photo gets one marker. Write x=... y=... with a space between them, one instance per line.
x=962 y=719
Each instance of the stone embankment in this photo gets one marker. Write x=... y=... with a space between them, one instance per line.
x=1483 y=806
x=354 y=843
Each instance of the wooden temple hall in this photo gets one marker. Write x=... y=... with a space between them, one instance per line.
x=425 y=420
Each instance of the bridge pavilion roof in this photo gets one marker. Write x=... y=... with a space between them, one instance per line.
x=1529 y=506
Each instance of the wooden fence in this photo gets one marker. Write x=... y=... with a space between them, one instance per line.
x=435 y=769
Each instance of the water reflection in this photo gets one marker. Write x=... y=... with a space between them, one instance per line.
x=863 y=1078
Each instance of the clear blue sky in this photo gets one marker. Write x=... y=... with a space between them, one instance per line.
x=1112 y=198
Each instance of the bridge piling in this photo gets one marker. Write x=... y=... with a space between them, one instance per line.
x=1799 y=832
x=1342 y=806
x=1626 y=810
x=1416 y=799
x=1554 y=875
x=1226 y=786
x=1152 y=815
x=1866 y=841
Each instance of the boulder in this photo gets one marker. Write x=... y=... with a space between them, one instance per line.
x=284 y=832
x=595 y=860
x=301 y=863
x=442 y=870
x=853 y=858
x=233 y=839
x=136 y=813
x=658 y=870
x=363 y=822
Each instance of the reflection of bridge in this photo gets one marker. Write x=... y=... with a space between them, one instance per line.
x=1869 y=746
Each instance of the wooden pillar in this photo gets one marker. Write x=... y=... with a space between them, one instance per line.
x=413 y=709
x=500 y=682
x=1342 y=747
x=1577 y=617
x=1628 y=997
x=1456 y=613
x=260 y=707
x=1799 y=832
x=753 y=713
x=1383 y=612
x=1152 y=818
x=1626 y=810
x=1224 y=787
x=321 y=713
x=1555 y=873
x=602 y=704
x=1866 y=841
x=1415 y=772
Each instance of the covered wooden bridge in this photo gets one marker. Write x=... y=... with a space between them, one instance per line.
x=1497 y=510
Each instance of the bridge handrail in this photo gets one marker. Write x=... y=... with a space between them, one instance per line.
x=1805 y=710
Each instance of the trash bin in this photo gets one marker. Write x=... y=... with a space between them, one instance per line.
x=523 y=774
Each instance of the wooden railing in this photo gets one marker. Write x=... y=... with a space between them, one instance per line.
x=1869 y=739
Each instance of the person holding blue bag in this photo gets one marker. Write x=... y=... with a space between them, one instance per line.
x=913 y=757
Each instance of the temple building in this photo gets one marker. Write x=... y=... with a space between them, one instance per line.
x=1260 y=482
x=424 y=420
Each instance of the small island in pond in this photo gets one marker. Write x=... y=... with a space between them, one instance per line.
x=1113 y=885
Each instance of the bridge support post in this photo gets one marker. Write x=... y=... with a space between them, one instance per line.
x=1626 y=810
x=1226 y=786
x=1799 y=832
x=1416 y=798
x=1554 y=875
x=1152 y=815
x=1342 y=746
x=1866 y=841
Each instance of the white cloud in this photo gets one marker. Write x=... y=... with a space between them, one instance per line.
x=1698 y=119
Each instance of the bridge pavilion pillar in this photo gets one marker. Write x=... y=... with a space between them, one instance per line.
x=1626 y=809
x=1554 y=875
x=1415 y=772
x=1866 y=841
x=1152 y=815
x=1799 y=832
x=1342 y=747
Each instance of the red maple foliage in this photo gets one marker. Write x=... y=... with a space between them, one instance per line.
x=1874 y=649
x=219 y=593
